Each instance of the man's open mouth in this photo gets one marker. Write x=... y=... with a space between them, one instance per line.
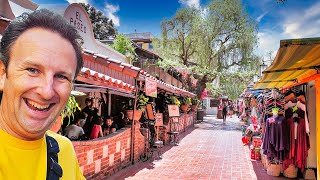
x=38 y=107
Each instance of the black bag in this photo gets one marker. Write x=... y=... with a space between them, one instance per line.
x=54 y=170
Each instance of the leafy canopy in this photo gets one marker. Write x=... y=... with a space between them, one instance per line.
x=103 y=27
x=210 y=42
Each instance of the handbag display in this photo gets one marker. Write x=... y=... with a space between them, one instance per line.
x=274 y=169
x=291 y=171
x=309 y=174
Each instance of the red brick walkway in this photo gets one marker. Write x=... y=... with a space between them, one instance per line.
x=211 y=150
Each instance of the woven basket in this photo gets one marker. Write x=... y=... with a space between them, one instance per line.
x=291 y=171
x=274 y=169
x=309 y=174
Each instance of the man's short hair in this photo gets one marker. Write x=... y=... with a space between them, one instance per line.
x=42 y=18
x=88 y=100
x=109 y=117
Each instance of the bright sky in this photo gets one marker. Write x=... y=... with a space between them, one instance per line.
x=294 y=19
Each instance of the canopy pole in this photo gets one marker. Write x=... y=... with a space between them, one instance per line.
x=133 y=123
x=317 y=85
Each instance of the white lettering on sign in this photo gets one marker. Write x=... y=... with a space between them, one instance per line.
x=77 y=23
x=77 y=16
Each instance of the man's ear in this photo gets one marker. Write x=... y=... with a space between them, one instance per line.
x=2 y=75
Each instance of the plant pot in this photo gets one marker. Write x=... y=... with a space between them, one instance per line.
x=57 y=125
x=184 y=108
x=137 y=115
x=193 y=107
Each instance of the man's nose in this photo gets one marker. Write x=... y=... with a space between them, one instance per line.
x=46 y=88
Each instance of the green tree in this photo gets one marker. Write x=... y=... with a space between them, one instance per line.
x=219 y=39
x=124 y=45
x=102 y=26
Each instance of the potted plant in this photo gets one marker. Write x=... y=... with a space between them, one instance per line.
x=185 y=103
x=194 y=103
x=142 y=101
x=173 y=100
x=71 y=107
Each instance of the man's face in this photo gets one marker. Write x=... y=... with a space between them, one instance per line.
x=89 y=103
x=109 y=122
x=37 y=84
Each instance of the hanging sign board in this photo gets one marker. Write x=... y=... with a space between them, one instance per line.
x=173 y=110
x=78 y=17
x=159 y=119
x=150 y=112
x=151 y=87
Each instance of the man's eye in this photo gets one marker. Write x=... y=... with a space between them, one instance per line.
x=33 y=70
x=60 y=76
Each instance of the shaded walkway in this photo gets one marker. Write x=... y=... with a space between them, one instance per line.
x=211 y=150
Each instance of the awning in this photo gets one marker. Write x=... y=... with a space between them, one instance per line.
x=296 y=60
x=128 y=69
x=167 y=87
x=102 y=81
x=106 y=63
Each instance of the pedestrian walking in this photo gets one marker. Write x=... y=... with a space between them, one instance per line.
x=224 y=112
x=230 y=109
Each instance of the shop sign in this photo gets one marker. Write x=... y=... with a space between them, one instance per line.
x=159 y=119
x=151 y=87
x=77 y=16
x=173 y=110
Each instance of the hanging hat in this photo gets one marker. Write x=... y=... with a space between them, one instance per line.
x=275 y=111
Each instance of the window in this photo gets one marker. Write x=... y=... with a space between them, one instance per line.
x=214 y=102
x=150 y=46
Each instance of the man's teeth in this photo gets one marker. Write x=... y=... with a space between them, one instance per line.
x=38 y=106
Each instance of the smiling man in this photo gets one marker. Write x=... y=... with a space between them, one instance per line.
x=40 y=57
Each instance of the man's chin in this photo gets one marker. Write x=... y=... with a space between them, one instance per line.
x=37 y=128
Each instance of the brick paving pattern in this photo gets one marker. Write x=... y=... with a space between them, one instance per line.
x=210 y=150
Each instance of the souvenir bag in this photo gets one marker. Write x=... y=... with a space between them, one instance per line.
x=291 y=171
x=309 y=174
x=274 y=169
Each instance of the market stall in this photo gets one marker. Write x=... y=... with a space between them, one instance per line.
x=295 y=72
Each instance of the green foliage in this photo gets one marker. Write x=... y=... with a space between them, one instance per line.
x=124 y=46
x=102 y=26
x=186 y=101
x=214 y=91
x=167 y=64
x=71 y=107
x=172 y=100
x=221 y=39
x=195 y=101
x=142 y=102
x=234 y=83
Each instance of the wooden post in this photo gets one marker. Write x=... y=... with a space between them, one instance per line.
x=109 y=104
x=157 y=133
x=317 y=85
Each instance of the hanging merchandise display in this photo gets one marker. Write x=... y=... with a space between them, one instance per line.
x=286 y=134
x=298 y=129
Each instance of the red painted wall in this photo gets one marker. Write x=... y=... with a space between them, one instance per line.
x=102 y=157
